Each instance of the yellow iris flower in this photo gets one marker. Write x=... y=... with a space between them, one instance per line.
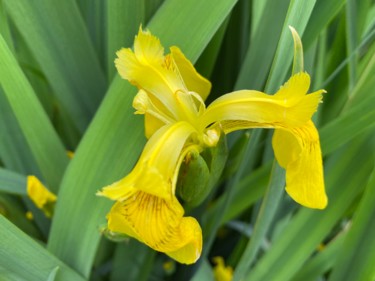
x=171 y=96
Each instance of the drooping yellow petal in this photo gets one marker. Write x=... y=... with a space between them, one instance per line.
x=192 y=79
x=157 y=167
x=159 y=223
x=298 y=151
x=40 y=195
x=290 y=106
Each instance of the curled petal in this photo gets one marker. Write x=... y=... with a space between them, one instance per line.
x=298 y=151
x=193 y=80
x=158 y=223
x=290 y=106
x=156 y=171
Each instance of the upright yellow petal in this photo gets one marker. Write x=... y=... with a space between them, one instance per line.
x=147 y=48
x=298 y=151
x=192 y=79
x=148 y=69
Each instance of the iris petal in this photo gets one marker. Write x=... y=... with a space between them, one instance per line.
x=298 y=151
x=192 y=79
x=159 y=223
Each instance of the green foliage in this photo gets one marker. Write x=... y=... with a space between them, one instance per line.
x=60 y=91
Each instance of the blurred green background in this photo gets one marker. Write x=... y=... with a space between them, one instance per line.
x=60 y=91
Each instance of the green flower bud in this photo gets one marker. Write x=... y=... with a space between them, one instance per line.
x=193 y=179
x=200 y=172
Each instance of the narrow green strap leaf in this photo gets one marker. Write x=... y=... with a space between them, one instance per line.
x=255 y=68
x=338 y=69
x=56 y=35
x=125 y=263
x=322 y=261
x=28 y=259
x=356 y=259
x=348 y=126
x=15 y=153
x=204 y=272
x=124 y=18
x=322 y=15
x=298 y=16
x=110 y=147
x=266 y=214
x=11 y=182
x=351 y=40
x=41 y=137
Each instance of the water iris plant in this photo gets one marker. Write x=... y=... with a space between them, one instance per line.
x=178 y=126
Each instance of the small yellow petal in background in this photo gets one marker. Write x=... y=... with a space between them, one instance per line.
x=40 y=195
x=70 y=154
x=29 y=215
x=222 y=272
x=302 y=160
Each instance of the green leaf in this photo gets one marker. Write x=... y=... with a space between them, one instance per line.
x=39 y=134
x=110 y=147
x=265 y=217
x=27 y=259
x=204 y=272
x=134 y=267
x=358 y=119
x=351 y=40
x=11 y=182
x=322 y=15
x=322 y=262
x=124 y=19
x=14 y=150
x=255 y=68
x=298 y=16
x=248 y=191
x=65 y=53
x=356 y=259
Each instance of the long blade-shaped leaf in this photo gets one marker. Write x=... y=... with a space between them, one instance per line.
x=55 y=32
x=17 y=250
x=44 y=143
x=356 y=260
